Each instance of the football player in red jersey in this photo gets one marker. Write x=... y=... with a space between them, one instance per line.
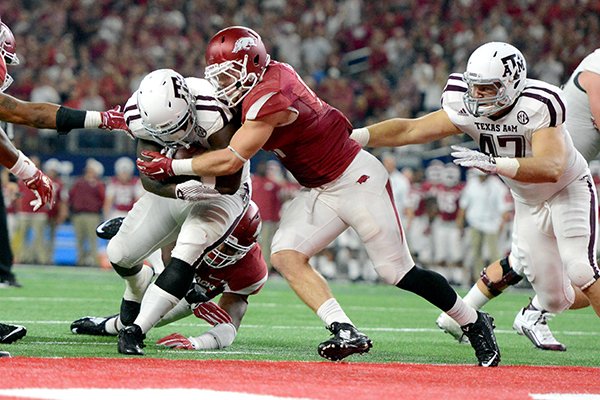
x=236 y=269
x=38 y=115
x=345 y=186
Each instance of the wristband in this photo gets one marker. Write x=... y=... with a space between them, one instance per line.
x=361 y=135
x=69 y=118
x=238 y=155
x=93 y=119
x=183 y=167
x=507 y=166
x=24 y=168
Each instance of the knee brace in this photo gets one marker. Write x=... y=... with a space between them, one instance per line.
x=509 y=278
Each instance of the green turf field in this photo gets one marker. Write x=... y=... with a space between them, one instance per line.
x=278 y=326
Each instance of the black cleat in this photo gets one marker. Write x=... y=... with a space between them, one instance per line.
x=482 y=339
x=95 y=326
x=346 y=340
x=131 y=341
x=109 y=228
x=11 y=333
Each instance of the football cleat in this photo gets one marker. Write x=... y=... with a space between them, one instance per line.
x=95 y=326
x=533 y=324
x=481 y=336
x=11 y=333
x=450 y=326
x=109 y=228
x=346 y=340
x=131 y=341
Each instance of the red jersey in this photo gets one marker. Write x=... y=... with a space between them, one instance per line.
x=266 y=195
x=247 y=276
x=316 y=147
x=124 y=194
x=447 y=201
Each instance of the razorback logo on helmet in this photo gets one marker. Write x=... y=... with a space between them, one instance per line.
x=244 y=43
x=513 y=66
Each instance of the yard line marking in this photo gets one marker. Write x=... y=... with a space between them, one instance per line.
x=314 y=327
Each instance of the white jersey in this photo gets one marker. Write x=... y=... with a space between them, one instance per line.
x=580 y=124
x=539 y=106
x=211 y=114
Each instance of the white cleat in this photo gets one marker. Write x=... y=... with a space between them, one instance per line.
x=450 y=326
x=533 y=324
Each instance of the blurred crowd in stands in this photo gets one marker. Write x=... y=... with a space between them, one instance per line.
x=371 y=59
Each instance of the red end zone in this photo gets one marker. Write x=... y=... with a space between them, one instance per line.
x=314 y=380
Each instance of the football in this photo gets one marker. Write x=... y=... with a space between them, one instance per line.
x=182 y=153
x=193 y=150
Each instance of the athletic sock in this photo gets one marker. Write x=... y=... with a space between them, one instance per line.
x=136 y=285
x=331 y=312
x=475 y=298
x=462 y=313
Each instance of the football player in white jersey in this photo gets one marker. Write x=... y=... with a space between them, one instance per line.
x=518 y=124
x=582 y=95
x=582 y=92
x=170 y=113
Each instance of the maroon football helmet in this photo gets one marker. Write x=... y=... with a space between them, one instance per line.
x=7 y=45
x=240 y=242
x=236 y=60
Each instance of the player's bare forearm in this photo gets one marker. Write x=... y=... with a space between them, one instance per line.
x=235 y=305
x=38 y=115
x=403 y=131
x=216 y=163
x=8 y=152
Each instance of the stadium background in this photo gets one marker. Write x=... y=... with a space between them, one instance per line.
x=372 y=60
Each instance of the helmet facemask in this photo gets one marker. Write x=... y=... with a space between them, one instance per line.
x=228 y=253
x=487 y=105
x=183 y=132
x=8 y=80
x=232 y=80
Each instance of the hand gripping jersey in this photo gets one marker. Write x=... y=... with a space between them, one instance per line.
x=539 y=106
x=211 y=114
x=247 y=276
x=316 y=147
x=580 y=124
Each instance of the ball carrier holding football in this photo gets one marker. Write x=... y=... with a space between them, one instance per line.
x=344 y=186
x=168 y=113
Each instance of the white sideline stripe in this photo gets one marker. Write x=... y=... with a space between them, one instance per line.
x=128 y=394
x=565 y=396
x=317 y=327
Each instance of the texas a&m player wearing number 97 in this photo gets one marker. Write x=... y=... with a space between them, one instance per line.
x=518 y=124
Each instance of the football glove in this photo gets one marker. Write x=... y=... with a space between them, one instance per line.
x=113 y=119
x=472 y=158
x=212 y=313
x=43 y=189
x=176 y=341
x=156 y=165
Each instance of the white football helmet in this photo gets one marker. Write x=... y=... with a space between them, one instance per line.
x=451 y=175
x=168 y=109
x=501 y=65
